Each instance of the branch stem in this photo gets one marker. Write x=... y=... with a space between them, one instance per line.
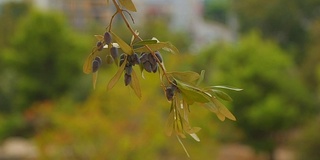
x=136 y=36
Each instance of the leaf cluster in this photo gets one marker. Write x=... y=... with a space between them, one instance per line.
x=182 y=89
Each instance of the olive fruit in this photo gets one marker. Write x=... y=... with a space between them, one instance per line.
x=155 y=68
x=127 y=79
x=100 y=45
x=169 y=93
x=152 y=59
x=122 y=58
x=128 y=69
x=157 y=53
x=96 y=64
x=147 y=66
x=143 y=58
x=170 y=90
x=136 y=59
x=114 y=52
x=107 y=37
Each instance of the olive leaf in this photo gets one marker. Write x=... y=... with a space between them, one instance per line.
x=145 y=42
x=187 y=76
x=200 y=78
x=223 y=109
x=169 y=124
x=157 y=46
x=135 y=84
x=193 y=94
x=117 y=76
x=128 y=4
x=221 y=94
x=99 y=37
x=123 y=45
x=94 y=79
x=225 y=87
x=87 y=66
x=219 y=109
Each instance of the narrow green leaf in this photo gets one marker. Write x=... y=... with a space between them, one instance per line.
x=117 y=76
x=129 y=5
x=223 y=109
x=221 y=95
x=145 y=42
x=94 y=79
x=87 y=66
x=169 y=124
x=99 y=37
x=200 y=78
x=135 y=84
x=160 y=45
x=225 y=87
x=187 y=76
x=189 y=100
x=171 y=48
x=213 y=108
x=123 y=45
x=184 y=148
x=193 y=93
x=195 y=137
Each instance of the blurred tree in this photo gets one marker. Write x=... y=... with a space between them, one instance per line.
x=217 y=10
x=286 y=21
x=312 y=60
x=10 y=14
x=274 y=98
x=44 y=63
x=46 y=58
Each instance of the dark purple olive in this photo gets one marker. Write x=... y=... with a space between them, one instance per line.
x=95 y=65
x=100 y=45
x=147 y=66
x=114 y=52
x=158 y=55
x=169 y=93
x=99 y=60
x=107 y=38
x=122 y=57
x=143 y=58
x=128 y=69
x=152 y=59
x=127 y=79
x=154 y=68
x=136 y=59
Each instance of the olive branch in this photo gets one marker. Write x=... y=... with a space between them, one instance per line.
x=180 y=88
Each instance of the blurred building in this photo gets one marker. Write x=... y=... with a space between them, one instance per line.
x=182 y=15
x=80 y=13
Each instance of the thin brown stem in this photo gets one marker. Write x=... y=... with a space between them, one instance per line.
x=119 y=10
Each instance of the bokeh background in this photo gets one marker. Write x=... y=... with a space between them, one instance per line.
x=271 y=49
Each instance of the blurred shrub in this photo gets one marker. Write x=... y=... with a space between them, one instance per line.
x=43 y=63
x=273 y=100
x=117 y=125
x=46 y=59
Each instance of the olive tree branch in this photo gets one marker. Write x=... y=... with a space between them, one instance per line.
x=136 y=36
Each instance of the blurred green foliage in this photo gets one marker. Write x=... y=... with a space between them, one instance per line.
x=274 y=98
x=285 y=21
x=217 y=10
x=42 y=62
